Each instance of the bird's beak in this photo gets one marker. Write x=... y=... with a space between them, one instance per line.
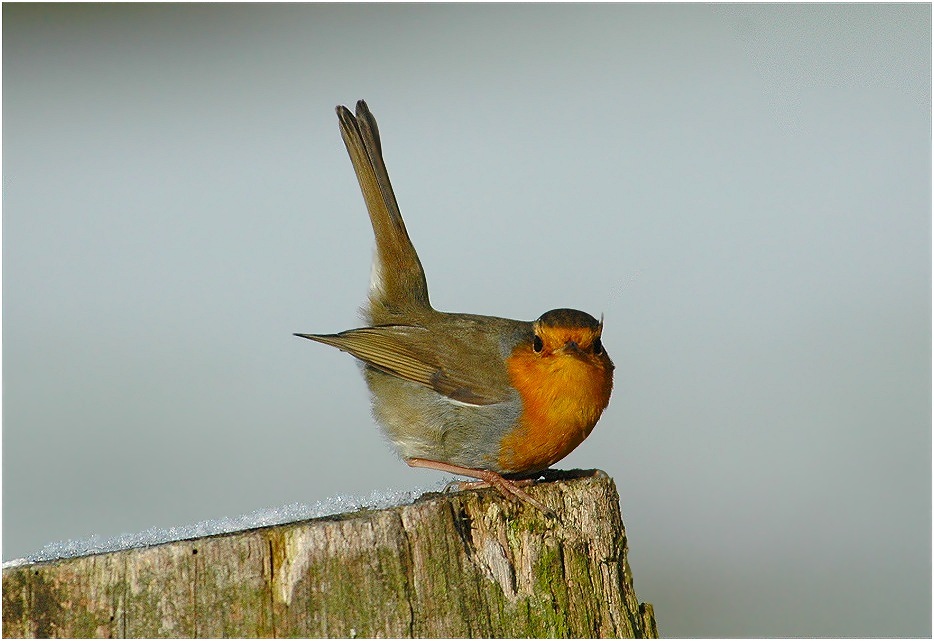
x=571 y=347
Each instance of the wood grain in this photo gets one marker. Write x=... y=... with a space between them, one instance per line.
x=465 y=564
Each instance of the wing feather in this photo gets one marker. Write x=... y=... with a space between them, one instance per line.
x=395 y=349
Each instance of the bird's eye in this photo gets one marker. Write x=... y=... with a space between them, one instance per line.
x=537 y=345
x=597 y=346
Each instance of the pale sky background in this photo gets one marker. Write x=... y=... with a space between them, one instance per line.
x=743 y=191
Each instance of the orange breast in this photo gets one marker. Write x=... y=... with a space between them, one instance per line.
x=563 y=395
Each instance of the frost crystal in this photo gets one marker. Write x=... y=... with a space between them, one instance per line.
x=96 y=544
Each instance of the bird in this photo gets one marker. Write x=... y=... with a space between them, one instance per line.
x=488 y=398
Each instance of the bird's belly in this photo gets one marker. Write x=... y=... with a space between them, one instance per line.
x=421 y=423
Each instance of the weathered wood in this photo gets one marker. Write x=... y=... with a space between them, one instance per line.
x=463 y=564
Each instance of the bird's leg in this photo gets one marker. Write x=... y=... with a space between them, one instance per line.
x=507 y=487
x=479 y=485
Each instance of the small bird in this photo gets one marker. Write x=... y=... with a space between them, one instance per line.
x=489 y=398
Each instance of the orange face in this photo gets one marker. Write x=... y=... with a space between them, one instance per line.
x=564 y=378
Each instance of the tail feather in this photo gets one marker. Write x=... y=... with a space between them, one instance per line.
x=398 y=280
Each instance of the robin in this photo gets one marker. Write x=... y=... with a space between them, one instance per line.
x=489 y=398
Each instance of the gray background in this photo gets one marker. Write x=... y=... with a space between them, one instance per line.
x=742 y=191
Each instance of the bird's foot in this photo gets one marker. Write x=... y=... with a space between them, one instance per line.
x=486 y=478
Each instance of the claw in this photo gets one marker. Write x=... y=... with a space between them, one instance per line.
x=487 y=478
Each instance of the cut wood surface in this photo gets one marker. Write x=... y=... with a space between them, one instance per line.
x=461 y=564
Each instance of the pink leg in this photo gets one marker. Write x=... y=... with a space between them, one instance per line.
x=507 y=487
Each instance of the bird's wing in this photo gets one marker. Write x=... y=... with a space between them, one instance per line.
x=396 y=349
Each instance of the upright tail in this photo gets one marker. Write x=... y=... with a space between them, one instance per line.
x=398 y=280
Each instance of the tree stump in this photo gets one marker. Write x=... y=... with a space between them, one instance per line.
x=464 y=564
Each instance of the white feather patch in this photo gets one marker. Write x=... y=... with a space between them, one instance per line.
x=377 y=284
